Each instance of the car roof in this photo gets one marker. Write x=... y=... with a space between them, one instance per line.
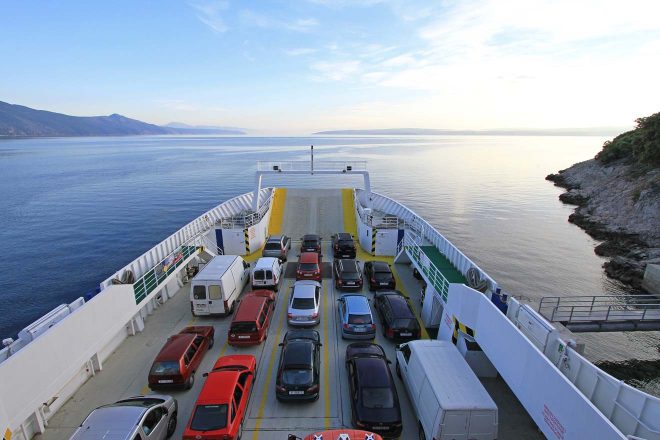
x=175 y=347
x=219 y=387
x=110 y=422
x=364 y=349
x=301 y=290
x=399 y=305
x=248 y=308
x=309 y=257
x=310 y=237
x=381 y=266
x=302 y=334
x=349 y=265
x=265 y=263
x=356 y=304
x=372 y=372
x=298 y=353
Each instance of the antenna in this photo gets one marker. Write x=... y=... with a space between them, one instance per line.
x=312 y=163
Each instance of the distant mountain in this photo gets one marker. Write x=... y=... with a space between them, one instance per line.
x=593 y=131
x=215 y=128
x=18 y=120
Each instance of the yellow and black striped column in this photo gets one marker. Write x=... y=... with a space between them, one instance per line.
x=462 y=327
x=373 y=241
x=247 y=241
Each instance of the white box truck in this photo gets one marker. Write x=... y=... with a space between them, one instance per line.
x=449 y=401
x=215 y=289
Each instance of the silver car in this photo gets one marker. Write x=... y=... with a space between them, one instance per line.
x=277 y=246
x=304 y=303
x=151 y=417
x=356 y=319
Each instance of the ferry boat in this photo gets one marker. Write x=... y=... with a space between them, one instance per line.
x=99 y=349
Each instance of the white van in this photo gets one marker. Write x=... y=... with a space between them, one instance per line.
x=216 y=287
x=449 y=400
x=267 y=273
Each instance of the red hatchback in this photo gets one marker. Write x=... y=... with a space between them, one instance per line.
x=309 y=267
x=222 y=404
x=179 y=358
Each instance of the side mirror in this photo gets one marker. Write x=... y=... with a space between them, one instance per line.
x=388 y=361
x=205 y=375
x=281 y=344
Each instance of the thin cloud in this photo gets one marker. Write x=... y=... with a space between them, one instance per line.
x=299 y=51
x=209 y=13
x=252 y=18
x=337 y=71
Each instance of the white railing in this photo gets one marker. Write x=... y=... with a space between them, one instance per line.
x=244 y=219
x=317 y=165
x=432 y=273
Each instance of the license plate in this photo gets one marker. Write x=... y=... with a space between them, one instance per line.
x=380 y=428
x=308 y=274
x=346 y=255
x=165 y=381
x=296 y=392
x=350 y=283
x=384 y=284
x=300 y=318
x=360 y=329
x=405 y=334
x=244 y=337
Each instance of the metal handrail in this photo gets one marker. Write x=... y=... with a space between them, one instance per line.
x=579 y=308
x=319 y=165
x=244 y=219
x=434 y=275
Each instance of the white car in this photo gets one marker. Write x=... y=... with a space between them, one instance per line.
x=304 y=304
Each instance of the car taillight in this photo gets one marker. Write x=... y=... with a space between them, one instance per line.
x=373 y=280
x=373 y=326
x=360 y=424
x=340 y=282
x=315 y=315
x=389 y=333
x=345 y=326
x=289 y=315
x=313 y=389
x=232 y=335
x=280 y=389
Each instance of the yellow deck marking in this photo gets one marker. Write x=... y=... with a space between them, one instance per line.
x=271 y=362
x=350 y=226
x=326 y=362
x=275 y=223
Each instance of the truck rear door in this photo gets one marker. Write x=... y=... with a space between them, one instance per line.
x=482 y=425
x=455 y=425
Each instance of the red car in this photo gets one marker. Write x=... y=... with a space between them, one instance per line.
x=251 y=320
x=309 y=267
x=179 y=358
x=340 y=434
x=222 y=404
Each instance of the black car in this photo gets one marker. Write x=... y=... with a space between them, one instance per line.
x=343 y=245
x=396 y=315
x=379 y=274
x=311 y=243
x=298 y=372
x=374 y=400
x=347 y=274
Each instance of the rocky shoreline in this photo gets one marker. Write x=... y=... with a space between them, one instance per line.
x=619 y=204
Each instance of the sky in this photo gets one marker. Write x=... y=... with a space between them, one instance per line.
x=296 y=67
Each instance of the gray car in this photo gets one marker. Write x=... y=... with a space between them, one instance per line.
x=277 y=246
x=151 y=417
x=304 y=304
x=355 y=317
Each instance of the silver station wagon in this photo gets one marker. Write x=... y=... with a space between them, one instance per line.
x=357 y=322
x=151 y=417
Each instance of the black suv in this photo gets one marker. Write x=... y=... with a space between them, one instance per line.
x=311 y=243
x=374 y=401
x=300 y=365
x=379 y=274
x=347 y=274
x=343 y=245
x=396 y=315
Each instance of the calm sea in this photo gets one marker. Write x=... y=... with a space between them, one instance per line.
x=76 y=209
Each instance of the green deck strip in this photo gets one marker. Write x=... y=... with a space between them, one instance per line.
x=443 y=265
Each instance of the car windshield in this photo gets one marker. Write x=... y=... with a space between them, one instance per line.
x=359 y=319
x=303 y=303
x=308 y=266
x=243 y=327
x=162 y=368
x=377 y=397
x=297 y=376
x=209 y=418
x=273 y=246
x=405 y=323
x=310 y=243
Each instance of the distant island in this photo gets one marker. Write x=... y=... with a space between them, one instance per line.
x=592 y=131
x=18 y=121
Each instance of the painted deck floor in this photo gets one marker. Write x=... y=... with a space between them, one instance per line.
x=125 y=372
x=443 y=265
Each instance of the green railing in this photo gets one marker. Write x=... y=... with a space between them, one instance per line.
x=433 y=274
x=157 y=274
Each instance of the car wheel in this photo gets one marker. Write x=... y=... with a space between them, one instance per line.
x=211 y=342
x=191 y=381
x=398 y=370
x=171 y=425
x=422 y=436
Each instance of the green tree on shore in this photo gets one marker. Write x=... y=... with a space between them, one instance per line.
x=640 y=146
